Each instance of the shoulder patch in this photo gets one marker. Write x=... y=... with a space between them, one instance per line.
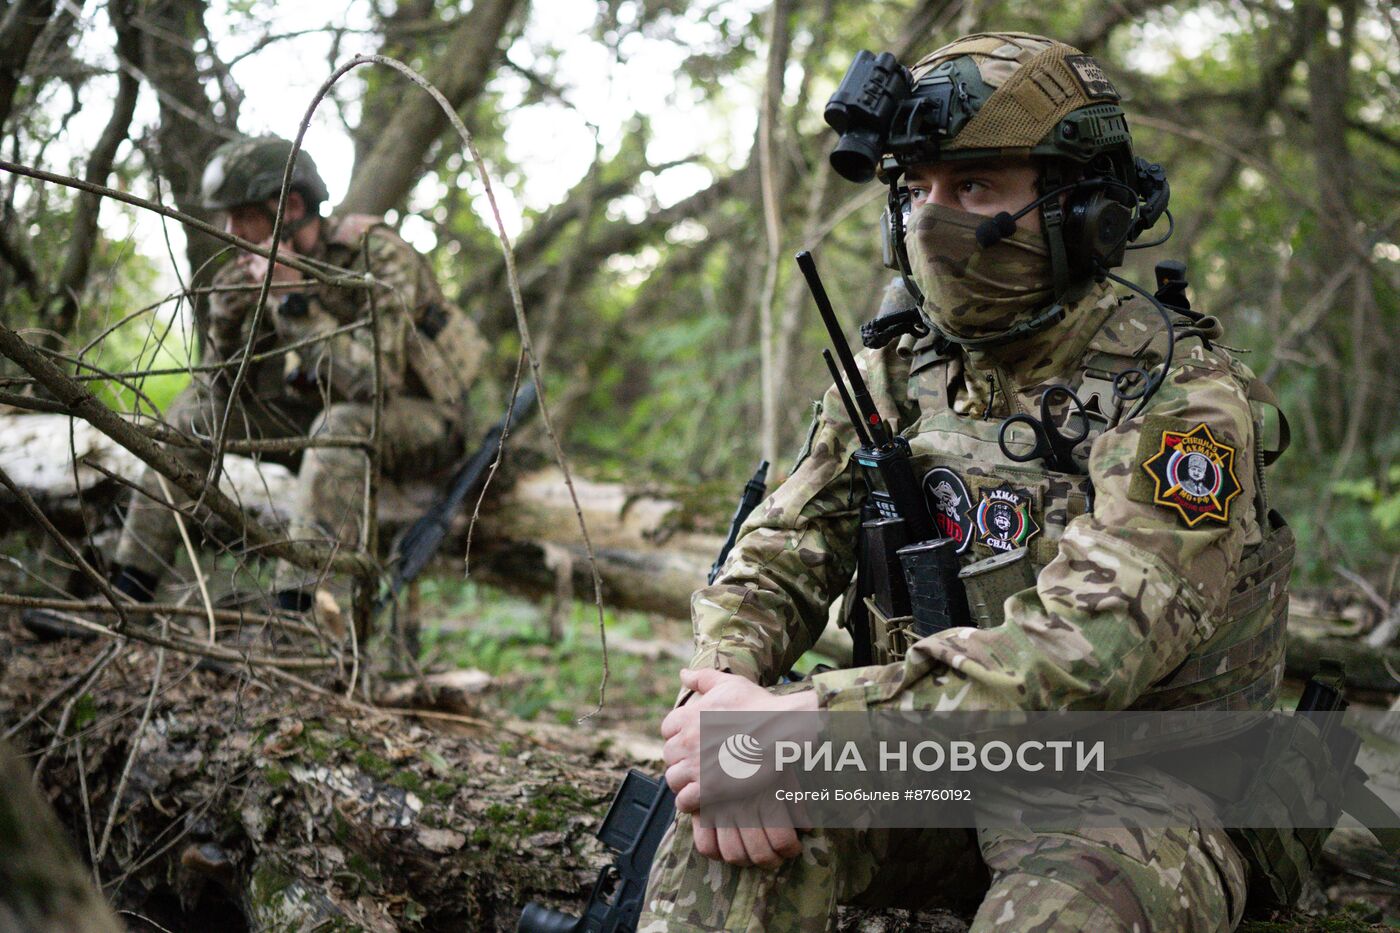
x=1183 y=468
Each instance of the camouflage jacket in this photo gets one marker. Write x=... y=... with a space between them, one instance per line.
x=428 y=348
x=1133 y=575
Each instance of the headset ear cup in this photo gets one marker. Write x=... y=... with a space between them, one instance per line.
x=1079 y=239
x=1096 y=232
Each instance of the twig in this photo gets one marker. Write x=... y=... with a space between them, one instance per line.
x=280 y=350
x=27 y=503
x=31 y=403
x=301 y=265
x=383 y=713
x=523 y=326
x=67 y=713
x=204 y=651
x=85 y=405
x=87 y=809
x=80 y=679
x=363 y=596
x=135 y=750
x=194 y=563
x=496 y=463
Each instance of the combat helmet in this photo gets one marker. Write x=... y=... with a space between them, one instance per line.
x=249 y=169
x=999 y=94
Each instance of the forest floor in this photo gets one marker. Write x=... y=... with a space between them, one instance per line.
x=257 y=803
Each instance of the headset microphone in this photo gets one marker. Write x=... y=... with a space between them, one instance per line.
x=995 y=229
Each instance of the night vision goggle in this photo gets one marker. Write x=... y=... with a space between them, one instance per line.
x=878 y=109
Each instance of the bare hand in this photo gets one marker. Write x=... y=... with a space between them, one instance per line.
x=715 y=691
x=255 y=266
x=766 y=840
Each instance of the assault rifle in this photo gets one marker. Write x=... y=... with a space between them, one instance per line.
x=639 y=815
x=905 y=567
x=420 y=543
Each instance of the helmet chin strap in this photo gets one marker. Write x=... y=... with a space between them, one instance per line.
x=290 y=228
x=902 y=257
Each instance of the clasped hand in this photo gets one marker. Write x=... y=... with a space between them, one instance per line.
x=255 y=266
x=767 y=838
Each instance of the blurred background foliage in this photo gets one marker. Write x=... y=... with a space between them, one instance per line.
x=646 y=261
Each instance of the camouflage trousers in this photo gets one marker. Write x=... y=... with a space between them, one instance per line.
x=417 y=439
x=1143 y=881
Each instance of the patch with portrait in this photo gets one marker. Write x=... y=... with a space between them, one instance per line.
x=1002 y=521
x=949 y=503
x=1187 y=471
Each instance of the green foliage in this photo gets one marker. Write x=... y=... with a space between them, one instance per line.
x=508 y=637
x=134 y=347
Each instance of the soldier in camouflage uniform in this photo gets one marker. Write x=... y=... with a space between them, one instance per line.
x=1138 y=594
x=430 y=355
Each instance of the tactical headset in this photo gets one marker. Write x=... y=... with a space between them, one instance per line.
x=888 y=122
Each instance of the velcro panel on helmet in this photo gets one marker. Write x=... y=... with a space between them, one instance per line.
x=1042 y=95
x=1024 y=110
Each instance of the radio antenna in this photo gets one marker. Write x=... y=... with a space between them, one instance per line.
x=861 y=433
x=869 y=414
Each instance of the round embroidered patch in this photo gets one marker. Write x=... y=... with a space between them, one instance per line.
x=949 y=502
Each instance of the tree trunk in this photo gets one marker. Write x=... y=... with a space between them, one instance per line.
x=19 y=30
x=384 y=177
x=62 y=311
x=43 y=886
x=189 y=130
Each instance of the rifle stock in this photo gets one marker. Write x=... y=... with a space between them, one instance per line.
x=421 y=542
x=639 y=815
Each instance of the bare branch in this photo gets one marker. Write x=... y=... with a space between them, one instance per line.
x=85 y=405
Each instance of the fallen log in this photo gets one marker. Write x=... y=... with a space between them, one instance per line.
x=652 y=549
x=1367 y=668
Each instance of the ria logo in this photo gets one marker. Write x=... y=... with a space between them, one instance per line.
x=740 y=756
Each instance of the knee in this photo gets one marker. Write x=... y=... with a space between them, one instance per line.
x=343 y=418
x=1096 y=891
x=1024 y=901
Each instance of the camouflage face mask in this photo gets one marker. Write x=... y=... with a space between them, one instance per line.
x=971 y=291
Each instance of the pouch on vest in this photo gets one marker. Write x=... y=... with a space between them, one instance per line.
x=992 y=581
x=444 y=349
x=890 y=637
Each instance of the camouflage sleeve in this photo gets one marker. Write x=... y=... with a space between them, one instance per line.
x=1131 y=591
x=344 y=362
x=796 y=553
x=231 y=313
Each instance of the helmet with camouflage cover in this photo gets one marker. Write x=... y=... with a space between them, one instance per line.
x=992 y=95
x=1013 y=92
x=249 y=170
